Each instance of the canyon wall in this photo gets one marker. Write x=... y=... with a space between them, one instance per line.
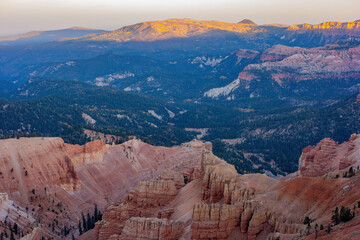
x=56 y=181
x=184 y=192
x=328 y=156
x=225 y=205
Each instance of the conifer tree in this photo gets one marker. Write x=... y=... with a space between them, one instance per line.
x=335 y=216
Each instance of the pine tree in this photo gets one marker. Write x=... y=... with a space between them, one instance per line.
x=15 y=228
x=345 y=214
x=335 y=216
x=351 y=172
x=96 y=213
x=307 y=220
x=80 y=229
x=88 y=222
x=93 y=222
x=84 y=222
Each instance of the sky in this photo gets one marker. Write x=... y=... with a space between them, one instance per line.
x=19 y=16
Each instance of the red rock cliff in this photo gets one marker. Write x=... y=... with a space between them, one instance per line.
x=329 y=156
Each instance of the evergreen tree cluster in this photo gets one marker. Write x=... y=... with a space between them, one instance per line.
x=87 y=223
x=350 y=173
x=11 y=231
x=344 y=215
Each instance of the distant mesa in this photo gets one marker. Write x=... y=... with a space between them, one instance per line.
x=172 y=28
x=247 y=21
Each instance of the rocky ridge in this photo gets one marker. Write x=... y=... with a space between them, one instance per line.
x=180 y=28
x=287 y=64
x=331 y=28
x=172 y=28
x=290 y=66
x=53 y=182
x=186 y=192
x=232 y=206
x=329 y=156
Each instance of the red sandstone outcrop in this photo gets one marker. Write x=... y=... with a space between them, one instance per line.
x=150 y=198
x=13 y=213
x=178 y=178
x=288 y=66
x=32 y=162
x=144 y=201
x=329 y=156
x=57 y=181
x=252 y=206
x=214 y=221
x=38 y=233
x=89 y=153
x=216 y=173
x=226 y=205
x=153 y=193
x=297 y=64
x=188 y=193
x=151 y=229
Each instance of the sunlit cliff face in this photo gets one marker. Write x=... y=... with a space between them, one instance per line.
x=177 y=28
x=327 y=25
x=159 y=30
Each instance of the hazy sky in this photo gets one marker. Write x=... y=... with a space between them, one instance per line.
x=17 y=16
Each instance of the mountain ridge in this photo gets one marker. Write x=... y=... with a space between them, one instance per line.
x=185 y=27
x=170 y=28
x=329 y=25
x=47 y=35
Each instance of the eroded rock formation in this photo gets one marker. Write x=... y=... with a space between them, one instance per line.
x=181 y=192
x=252 y=206
x=146 y=199
x=293 y=64
x=329 y=156
x=151 y=229
x=53 y=182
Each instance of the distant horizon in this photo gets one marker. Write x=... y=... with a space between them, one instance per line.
x=114 y=28
x=21 y=16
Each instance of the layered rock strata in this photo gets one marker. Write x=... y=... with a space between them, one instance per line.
x=53 y=182
x=329 y=156
x=185 y=193
x=150 y=229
